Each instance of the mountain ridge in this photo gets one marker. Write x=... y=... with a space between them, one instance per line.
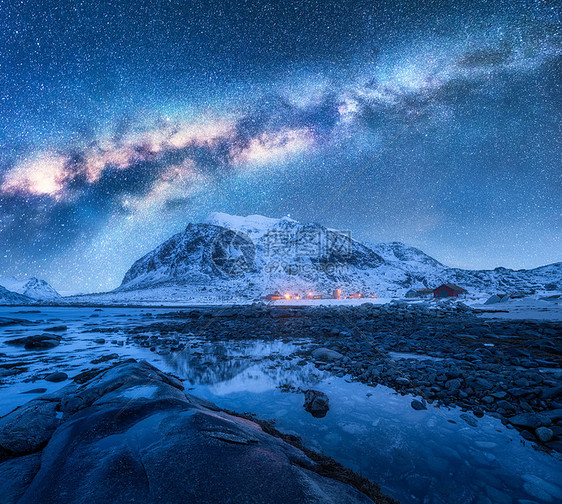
x=33 y=288
x=186 y=259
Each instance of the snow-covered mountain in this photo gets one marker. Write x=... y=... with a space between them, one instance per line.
x=249 y=257
x=8 y=297
x=425 y=271
x=32 y=288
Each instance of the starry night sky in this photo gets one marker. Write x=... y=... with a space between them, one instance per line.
x=433 y=123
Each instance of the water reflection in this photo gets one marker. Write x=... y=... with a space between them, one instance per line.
x=430 y=456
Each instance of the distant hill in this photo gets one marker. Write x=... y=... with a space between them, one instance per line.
x=33 y=288
x=12 y=298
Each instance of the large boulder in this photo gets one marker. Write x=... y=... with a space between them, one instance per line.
x=326 y=355
x=131 y=434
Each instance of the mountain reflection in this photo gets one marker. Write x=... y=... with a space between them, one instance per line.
x=255 y=366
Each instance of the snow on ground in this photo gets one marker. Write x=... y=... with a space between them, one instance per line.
x=527 y=308
x=330 y=302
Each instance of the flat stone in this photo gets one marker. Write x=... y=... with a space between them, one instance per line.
x=56 y=377
x=35 y=391
x=527 y=420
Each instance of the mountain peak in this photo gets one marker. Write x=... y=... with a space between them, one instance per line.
x=248 y=224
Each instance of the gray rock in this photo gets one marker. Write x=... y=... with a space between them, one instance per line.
x=469 y=420
x=28 y=428
x=553 y=415
x=418 y=405
x=544 y=434
x=56 y=377
x=316 y=403
x=526 y=420
x=326 y=355
x=454 y=384
x=37 y=342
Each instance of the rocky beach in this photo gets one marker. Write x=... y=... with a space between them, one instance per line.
x=449 y=356
x=469 y=407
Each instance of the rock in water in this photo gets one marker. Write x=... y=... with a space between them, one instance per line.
x=56 y=377
x=316 y=403
x=493 y=300
x=418 y=405
x=38 y=342
x=130 y=434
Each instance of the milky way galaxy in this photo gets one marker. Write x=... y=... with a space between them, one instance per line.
x=432 y=123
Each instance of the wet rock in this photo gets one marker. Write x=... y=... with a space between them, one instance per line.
x=105 y=358
x=544 y=434
x=99 y=341
x=526 y=420
x=316 y=403
x=454 y=384
x=57 y=328
x=162 y=446
x=27 y=428
x=56 y=377
x=326 y=355
x=35 y=391
x=541 y=489
x=469 y=420
x=418 y=405
x=37 y=342
x=529 y=436
x=401 y=380
x=553 y=415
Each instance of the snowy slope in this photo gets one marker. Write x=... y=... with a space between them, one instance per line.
x=428 y=272
x=8 y=297
x=32 y=288
x=188 y=259
x=231 y=257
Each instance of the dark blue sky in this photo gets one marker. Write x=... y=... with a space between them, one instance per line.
x=432 y=123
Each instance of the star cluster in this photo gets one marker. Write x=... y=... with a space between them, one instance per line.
x=434 y=123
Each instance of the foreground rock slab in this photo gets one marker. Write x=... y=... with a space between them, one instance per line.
x=131 y=434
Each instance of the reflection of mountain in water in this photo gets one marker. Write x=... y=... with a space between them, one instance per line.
x=232 y=367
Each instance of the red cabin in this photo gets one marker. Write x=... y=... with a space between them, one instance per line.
x=448 y=290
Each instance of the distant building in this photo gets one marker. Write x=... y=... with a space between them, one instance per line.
x=273 y=297
x=356 y=295
x=448 y=290
x=424 y=292
x=336 y=294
